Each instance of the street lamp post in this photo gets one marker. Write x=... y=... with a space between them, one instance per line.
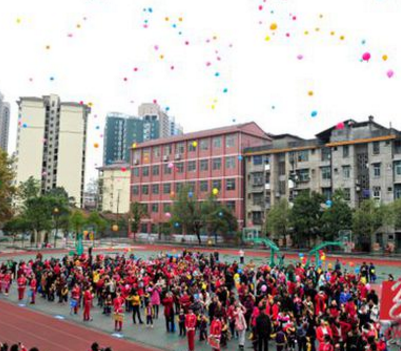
x=55 y=214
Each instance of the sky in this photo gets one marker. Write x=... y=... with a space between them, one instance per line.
x=209 y=63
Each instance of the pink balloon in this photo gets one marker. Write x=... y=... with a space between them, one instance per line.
x=300 y=57
x=390 y=73
x=340 y=125
x=168 y=214
x=366 y=56
x=263 y=288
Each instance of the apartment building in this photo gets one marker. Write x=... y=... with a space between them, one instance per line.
x=203 y=161
x=361 y=158
x=4 y=123
x=51 y=143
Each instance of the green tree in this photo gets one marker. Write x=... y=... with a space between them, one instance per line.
x=37 y=211
x=7 y=190
x=395 y=214
x=186 y=210
x=97 y=222
x=77 y=221
x=366 y=220
x=138 y=211
x=216 y=218
x=336 y=217
x=306 y=215
x=16 y=225
x=28 y=189
x=278 y=220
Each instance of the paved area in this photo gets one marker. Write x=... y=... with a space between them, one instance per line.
x=154 y=338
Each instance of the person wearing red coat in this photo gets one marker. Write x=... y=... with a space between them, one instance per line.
x=21 y=282
x=88 y=297
x=168 y=303
x=190 y=324
x=322 y=331
x=33 y=286
x=215 y=332
x=320 y=303
x=75 y=298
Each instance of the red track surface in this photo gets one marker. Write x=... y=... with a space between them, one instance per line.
x=49 y=334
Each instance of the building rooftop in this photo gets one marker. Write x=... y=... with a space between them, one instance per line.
x=249 y=128
x=115 y=166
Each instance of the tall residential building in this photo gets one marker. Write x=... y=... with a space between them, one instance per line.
x=114 y=194
x=203 y=161
x=121 y=131
x=4 y=123
x=361 y=158
x=51 y=143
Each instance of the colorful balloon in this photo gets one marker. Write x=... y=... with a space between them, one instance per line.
x=390 y=73
x=215 y=191
x=366 y=56
x=313 y=114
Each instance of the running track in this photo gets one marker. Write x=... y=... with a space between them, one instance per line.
x=50 y=334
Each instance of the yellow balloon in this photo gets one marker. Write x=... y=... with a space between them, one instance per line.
x=310 y=93
x=215 y=191
x=267 y=38
x=114 y=228
x=134 y=145
x=195 y=144
x=385 y=57
x=273 y=26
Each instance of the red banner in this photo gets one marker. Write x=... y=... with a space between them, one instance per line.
x=390 y=304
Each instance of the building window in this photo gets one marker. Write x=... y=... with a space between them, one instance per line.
x=282 y=187
x=257 y=160
x=146 y=155
x=325 y=154
x=303 y=156
x=180 y=148
x=135 y=190
x=230 y=162
x=397 y=146
x=179 y=167
x=204 y=144
x=156 y=151
x=377 y=192
x=376 y=148
x=345 y=151
x=191 y=186
x=155 y=170
x=397 y=168
x=258 y=199
x=178 y=187
x=326 y=192
x=145 y=171
x=326 y=173
x=230 y=184
x=216 y=184
x=191 y=147
x=231 y=206
x=397 y=191
x=166 y=208
x=304 y=175
x=346 y=172
x=144 y=228
x=281 y=168
x=167 y=149
x=166 y=188
x=155 y=208
x=167 y=169
x=204 y=186
x=155 y=189
x=258 y=179
x=204 y=165
x=145 y=189
x=217 y=143
x=377 y=170
x=230 y=141
x=347 y=194
x=135 y=172
x=191 y=166
x=257 y=218
x=216 y=164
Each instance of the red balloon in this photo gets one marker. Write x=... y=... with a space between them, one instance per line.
x=366 y=56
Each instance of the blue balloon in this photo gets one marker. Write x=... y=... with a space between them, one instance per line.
x=357 y=270
x=221 y=214
x=313 y=114
x=329 y=203
x=240 y=158
x=301 y=255
x=176 y=224
x=190 y=194
x=239 y=271
x=24 y=125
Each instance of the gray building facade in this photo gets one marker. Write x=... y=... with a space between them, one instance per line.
x=4 y=123
x=361 y=158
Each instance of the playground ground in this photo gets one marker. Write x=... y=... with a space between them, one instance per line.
x=48 y=324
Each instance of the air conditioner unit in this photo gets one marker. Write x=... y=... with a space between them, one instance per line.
x=165 y=158
x=178 y=156
x=136 y=162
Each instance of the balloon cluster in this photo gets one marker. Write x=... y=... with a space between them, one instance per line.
x=302 y=258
